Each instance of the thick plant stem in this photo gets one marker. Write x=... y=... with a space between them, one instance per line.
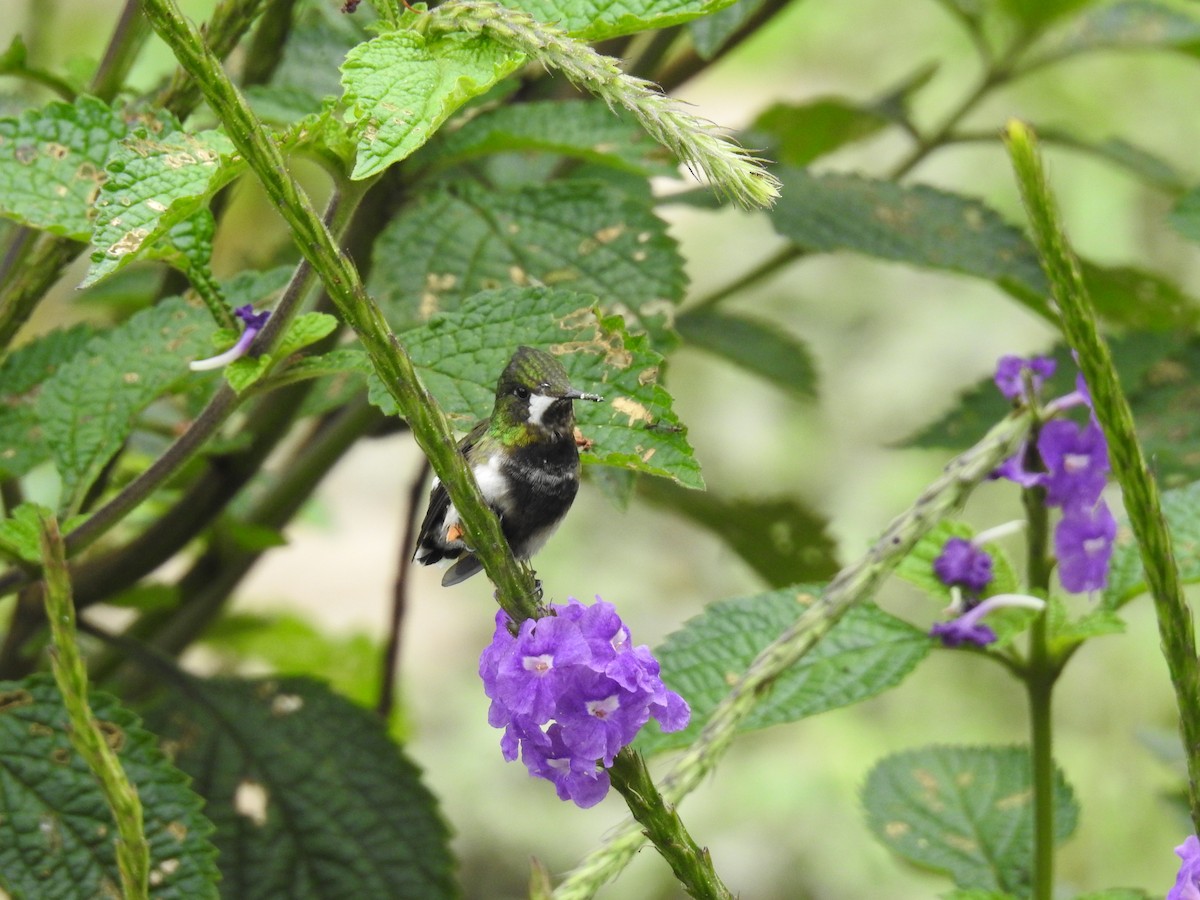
x=1138 y=488
x=853 y=584
x=346 y=290
x=70 y=673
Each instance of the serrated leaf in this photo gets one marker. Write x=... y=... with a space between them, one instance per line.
x=21 y=376
x=1063 y=633
x=401 y=87
x=865 y=653
x=914 y=224
x=20 y=533
x=88 y=407
x=56 y=830
x=964 y=811
x=581 y=235
x=799 y=133
x=917 y=567
x=758 y=346
x=1127 y=25
x=783 y=541
x=594 y=20
x=583 y=130
x=52 y=164
x=155 y=182
x=310 y=799
x=709 y=33
x=243 y=372
x=460 y=355
x=1126 y=578
x=305 y=329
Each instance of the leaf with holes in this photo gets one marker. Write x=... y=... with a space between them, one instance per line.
x=309 y=797
x=864 y=654
x=583 y=236
x=52 y=164
x=155 y=182
x=89 y=406
x=56 y=830
x=400 y=88
x=964 y=811
x=460 y=355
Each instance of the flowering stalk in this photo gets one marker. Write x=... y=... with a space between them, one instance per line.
x=730 y=168
x=1111 y=408
x=70 y=673
x=854 y=583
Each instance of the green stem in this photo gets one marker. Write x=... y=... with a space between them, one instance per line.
x=128 y=38
x=853 y=584
x=1138 y=488
x=70 y=673
x=345 y=289
x=690 y=862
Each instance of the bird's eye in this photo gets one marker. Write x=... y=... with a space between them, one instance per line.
x=521 y=392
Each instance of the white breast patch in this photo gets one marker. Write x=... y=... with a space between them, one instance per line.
x=492 y=483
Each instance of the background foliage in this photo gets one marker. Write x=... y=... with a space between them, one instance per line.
x=815 y=354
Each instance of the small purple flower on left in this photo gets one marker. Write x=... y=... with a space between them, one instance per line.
x=254 y=323
x=1187 y=883
x=570 y=690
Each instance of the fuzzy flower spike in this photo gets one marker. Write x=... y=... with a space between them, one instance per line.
x=254 y=323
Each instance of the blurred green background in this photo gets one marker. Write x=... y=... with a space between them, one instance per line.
x=894 y=346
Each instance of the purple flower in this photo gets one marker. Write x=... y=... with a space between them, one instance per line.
x=967 y=629
x=962 y=564
x=1076 y=462
x=570 y=690
x=1187 y=883
x=1010 y=374
x=254 y=323
x=1083 y=543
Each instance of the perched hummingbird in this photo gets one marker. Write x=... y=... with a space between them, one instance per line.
x=525 y=461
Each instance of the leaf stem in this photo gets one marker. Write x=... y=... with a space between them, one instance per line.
x=1111 y=408
x=854 y=583
x=70 y=673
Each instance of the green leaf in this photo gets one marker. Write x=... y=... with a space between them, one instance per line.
x=1128 y=25
x=918 y=225
x=309 y=797
x=1063 y=633
x=1116 y=894
x=800 y=133
x=1126 y=578
x=1132 y=299
x=581 y=235
x=460 y=355
x=52 y=164
x=583 y=130
x=980 y=895
x=593 y=20
x=866 y=653
x=20 y=533
x=243 y=372
x=709 y=33
x=400 y=88
x=1185 y=215
x=155 y=182
x=964 y=811
x=56 y=830
x=1148 y=166
x=89 y=406
x=783 y=541
x=22 y=374
x=758 y=346
x=306 y=329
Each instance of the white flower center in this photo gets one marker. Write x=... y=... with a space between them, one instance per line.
x=540 y=664
x=602 y=709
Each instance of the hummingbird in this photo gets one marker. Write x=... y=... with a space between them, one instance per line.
x=525 y=460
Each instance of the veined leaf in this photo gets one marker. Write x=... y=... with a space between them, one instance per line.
x=88 y=407
x=867 y=652
x=964 y=811
x=52 y=164
x=584 y=236
x=309 y=797
x=460 y=355
x=401 y=87
x=22 y=374
x=584 y=130
x=155 y=183
x=1126 y=578
x=758 y=346
x=709 y=33
x=918 y=225
x=799 y=133
x=1126 y=25
x=592 y=20
x=782 y=540
x=56 y=830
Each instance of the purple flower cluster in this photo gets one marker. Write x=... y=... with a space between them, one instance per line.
x=963 y=565
x=1010 y=374
x=570 y=690
x=1076 y=462
x=1187 y=883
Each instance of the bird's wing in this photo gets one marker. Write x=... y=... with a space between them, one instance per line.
x=431 y=546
